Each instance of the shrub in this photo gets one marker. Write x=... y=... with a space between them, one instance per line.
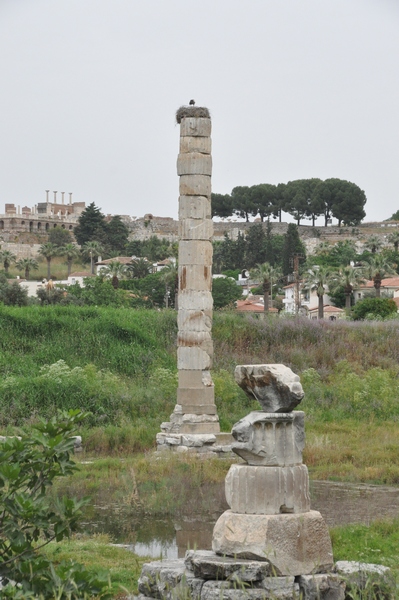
x=28 y=467
x=372 y=308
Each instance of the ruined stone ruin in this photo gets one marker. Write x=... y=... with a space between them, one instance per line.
x=194 y=423
x=269 y=544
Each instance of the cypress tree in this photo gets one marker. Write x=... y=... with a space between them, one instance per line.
x=292 y=246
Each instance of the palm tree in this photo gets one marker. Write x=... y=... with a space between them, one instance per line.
x=70 y=251
x=266 y=274
x=347 y=277
x=27 y=265
x=48 y=250
x=92 y=249
x=374 y=243
x=318 y=278
x=323 y=249
x=115 y=270
x=140 y=268
x=393 y=238
x=376 y=269
x=7 y=258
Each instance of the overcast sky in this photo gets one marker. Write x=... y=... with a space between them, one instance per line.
x=296 y=89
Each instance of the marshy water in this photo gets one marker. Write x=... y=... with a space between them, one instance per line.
x=339 y=503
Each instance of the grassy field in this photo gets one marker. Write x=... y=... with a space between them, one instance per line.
x=120 y=364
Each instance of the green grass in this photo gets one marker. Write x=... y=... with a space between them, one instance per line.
x=96 y=553
x=120 y=364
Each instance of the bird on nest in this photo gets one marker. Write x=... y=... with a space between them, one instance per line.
x=192 y=102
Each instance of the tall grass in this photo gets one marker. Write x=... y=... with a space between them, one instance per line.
x=121 y=365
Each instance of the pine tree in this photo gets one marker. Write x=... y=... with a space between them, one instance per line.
x=91 y=224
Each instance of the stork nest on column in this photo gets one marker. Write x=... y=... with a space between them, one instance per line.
x=192 y=111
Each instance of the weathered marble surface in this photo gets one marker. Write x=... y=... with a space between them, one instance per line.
x=293 y=544
x=275 y=386
x=270 y=439
x=267 y=490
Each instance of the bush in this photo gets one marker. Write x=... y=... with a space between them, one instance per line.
x=28 y=467
x=372 y=308
x=225 y=291
x=12 y=294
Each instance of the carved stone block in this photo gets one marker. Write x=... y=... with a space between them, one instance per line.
x=270 y=439
x=293 y=544
x=195 y=185
x=195 y=144
x=194 y=207
x=276 y=387
x=194 y=163
x=195 y=126
x=267 y=490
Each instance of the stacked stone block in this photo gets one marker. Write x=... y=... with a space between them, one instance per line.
x=270 y=517
x=195 y=412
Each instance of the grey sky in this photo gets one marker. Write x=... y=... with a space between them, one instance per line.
x=296 y=89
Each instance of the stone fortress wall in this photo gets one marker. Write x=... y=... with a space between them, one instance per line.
x=16 y=225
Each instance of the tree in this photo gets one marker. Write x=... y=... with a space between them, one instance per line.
x=117 y=235
x=374 y=243
x=341 y=199
x=225 y=291
x=374 y=307
x=49 y=251
x=140 y=268
x=292 y=247
x=318 y=279
x=255 y=252
x=376 y=269
x=242 y=202
x=12 y=294
x=70 y=251
x=98 y=291
x=59 y=236
x=395 y=216
x=348 y=203
x=30 y=521
x=296 y=201
x=263 y=197
x=92 y=249
x=221 y=205
x=115 y=270
x=266 y=275
x=393 y=238
x=91 y=225
x=7 y=258
x=27 y=265
x=347 y=277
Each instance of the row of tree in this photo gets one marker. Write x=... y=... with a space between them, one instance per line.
x=259 y=245
x=302 y=199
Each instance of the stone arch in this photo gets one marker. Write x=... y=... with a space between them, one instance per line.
x=39 y=225
x=70 y=227
x=30 y=226
x=1 y=224
x=47 y=227
x=63 y=226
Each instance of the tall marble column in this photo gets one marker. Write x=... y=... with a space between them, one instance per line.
x=195 y=412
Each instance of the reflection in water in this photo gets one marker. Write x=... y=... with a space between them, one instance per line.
x=339 y=503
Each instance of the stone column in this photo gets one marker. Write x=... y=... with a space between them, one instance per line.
x=270 y=517
x=195 y=412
